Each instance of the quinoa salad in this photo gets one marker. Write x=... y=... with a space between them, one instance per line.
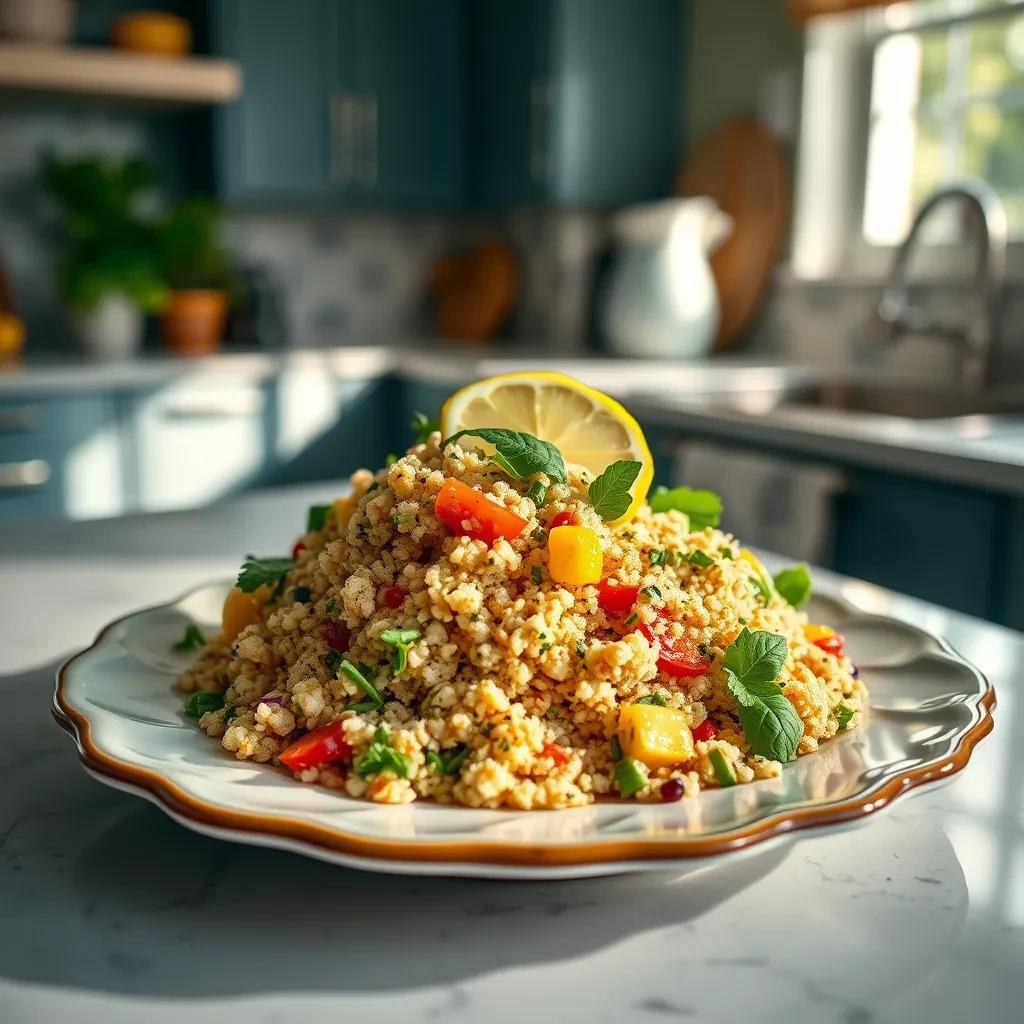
x=480 y=623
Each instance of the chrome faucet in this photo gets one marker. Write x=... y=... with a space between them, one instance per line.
x=895 y=315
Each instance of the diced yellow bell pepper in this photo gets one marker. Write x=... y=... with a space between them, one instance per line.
x=750 y=558
x=814 y=633
x=241 y=610
x=574 y=555
x=657 y=736
x=344 y=508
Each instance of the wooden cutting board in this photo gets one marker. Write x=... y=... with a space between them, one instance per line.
x=741 y=166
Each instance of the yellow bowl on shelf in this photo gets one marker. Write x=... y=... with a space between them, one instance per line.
x=152 y=32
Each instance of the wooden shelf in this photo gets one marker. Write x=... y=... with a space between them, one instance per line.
x=117 y=74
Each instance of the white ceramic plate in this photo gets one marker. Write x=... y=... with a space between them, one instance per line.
x=928 y=709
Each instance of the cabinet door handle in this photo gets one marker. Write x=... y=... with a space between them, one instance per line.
x=19 y=420
x=19 y=476
x=369 y=138
x=214 y=408
x=341 y=126
x=540 y=107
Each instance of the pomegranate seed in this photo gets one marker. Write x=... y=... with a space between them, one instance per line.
x=671 y=791
x=707 y=730
x=565 y=519
x=299 y=547
x=392 y=597
x=557 y=754
x=338 y=635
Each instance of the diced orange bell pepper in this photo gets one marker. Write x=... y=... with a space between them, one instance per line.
x=241 y=610
x=469 y=512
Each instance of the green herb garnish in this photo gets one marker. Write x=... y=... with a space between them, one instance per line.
x=633 y=619
x=844 y=715
x=331 y=659
x=539 y=534
x=537 y=493
x=610 y=492
x=698 y=558
x=363 y=705
x=616 y=748
x=537 y=575
x=659 y=557
x=300 y=595
x=554 y=712
x=629 y=777
x=703 y=508
x=329 y=606
x=763 y=588
x=401 y=640
x=770 y=723
x=346 y=668
x=651 y=592
x=202 y=701
x=794 y=584
x=724 y=774
x=422 y=427
x=193 y=640
x=727 y=553
x=262 y=572
x=449 y=766
x=519 y=455
x=653 y=698
x=581 y=648
x=316 y=517
x=380 y=756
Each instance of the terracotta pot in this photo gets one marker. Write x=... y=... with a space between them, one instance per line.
x=193 y=322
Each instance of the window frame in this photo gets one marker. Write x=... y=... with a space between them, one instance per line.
x=832 y=152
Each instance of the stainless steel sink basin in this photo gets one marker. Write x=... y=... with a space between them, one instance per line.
x=884 y=399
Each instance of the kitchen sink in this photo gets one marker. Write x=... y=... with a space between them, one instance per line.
x=883 y=399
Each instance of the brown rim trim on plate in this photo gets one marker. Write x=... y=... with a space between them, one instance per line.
x=520 y=854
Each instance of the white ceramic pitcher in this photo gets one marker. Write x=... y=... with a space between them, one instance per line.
x=662 y=301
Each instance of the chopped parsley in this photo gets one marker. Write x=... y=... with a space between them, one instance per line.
x=316 y=517
x=330 y=605
x=544 y=647
x=610 y=493
x=698 y=558
x=300 y=595
x=537 y=575
x=539 y=534
x=653 y=698
x=581 y=648
x=401 y=640
x=347 y=669
x=193 y=640
x=380 y=757
x=202 y=701
x=554 y=712
x=449 y=765
x=262 y=572
x=727 y=553
x=651 y=592
x=844 y=716
x=331 y=659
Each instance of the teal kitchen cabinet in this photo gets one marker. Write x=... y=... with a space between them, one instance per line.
x=343 y=101
x=1011 y=598
x=575 y=101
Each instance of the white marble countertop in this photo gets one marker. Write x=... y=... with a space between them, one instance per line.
x=112 y=914
x=976 y=451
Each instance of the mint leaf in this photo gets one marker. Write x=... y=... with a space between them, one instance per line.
x=380 y=757
x=346 y=668
x=316 y=517
x=704 y=508
x=844 y=715
x=794 y=584
x=519 y=455
x=401 y=640
x=422 y=427
x=609 y=493
x=203 y=701
x=770 y=723
x=261 y=572
x=699 y=558
x=193 y=640
x=653 y=698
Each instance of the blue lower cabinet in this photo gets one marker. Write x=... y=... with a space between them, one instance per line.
x=60 y=455
x=930 y=540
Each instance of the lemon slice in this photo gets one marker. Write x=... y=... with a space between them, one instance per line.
x=588 y=428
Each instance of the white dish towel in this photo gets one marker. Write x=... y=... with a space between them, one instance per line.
x=767 y=502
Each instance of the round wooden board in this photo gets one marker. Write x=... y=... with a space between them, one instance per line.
x=741 y=166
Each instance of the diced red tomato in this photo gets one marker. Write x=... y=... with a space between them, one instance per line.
x=565 y=519
x=832 y=644
x=392 y=597
x=557 y=754
x=616 y=600
x=677 y=656
x=297 y=548
x=707 y=730
x=338 y=635
x=321 y=746
x=467 y=511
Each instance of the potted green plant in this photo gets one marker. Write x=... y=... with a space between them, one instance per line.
x=110 y=271
x=197 y=267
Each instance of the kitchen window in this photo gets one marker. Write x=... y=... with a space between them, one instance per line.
x=899 y=101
